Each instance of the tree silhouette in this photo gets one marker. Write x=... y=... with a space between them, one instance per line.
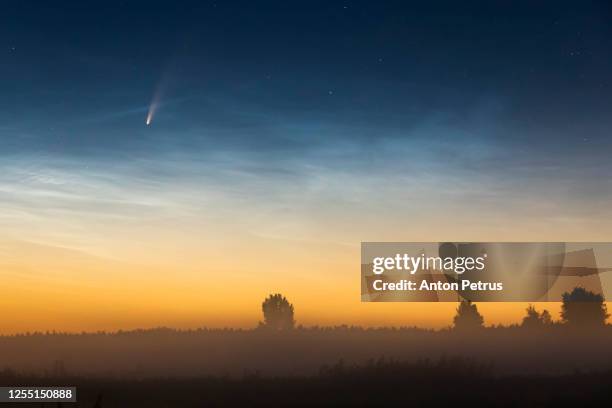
x=536 y=320
x=467 y=317
x=583 y=308
x=546 y=318
x=278 y=313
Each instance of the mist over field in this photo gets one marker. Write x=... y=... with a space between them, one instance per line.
x=162 y=353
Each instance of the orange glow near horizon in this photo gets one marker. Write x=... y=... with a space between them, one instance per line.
x=108 y=249
x=53 y=288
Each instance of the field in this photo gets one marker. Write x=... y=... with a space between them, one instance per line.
x=502 y=366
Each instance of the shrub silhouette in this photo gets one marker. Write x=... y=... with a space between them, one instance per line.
x=536 y=320
x=467 y=317
x=278 y=313
x=583 y=308
x=546 y=318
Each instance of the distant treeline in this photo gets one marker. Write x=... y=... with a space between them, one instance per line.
x=579 y=340
x=554 y=348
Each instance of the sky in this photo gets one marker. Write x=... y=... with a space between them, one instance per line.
x=282 y=135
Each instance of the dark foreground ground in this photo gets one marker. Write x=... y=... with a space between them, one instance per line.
x=448 y=382
x=501 y=367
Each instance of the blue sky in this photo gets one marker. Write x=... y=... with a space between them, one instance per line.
x=305 y=112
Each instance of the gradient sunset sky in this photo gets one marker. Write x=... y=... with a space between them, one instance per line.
x=285 y=134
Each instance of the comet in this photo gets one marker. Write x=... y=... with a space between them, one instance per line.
x=153 y=107
x=157 y=102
